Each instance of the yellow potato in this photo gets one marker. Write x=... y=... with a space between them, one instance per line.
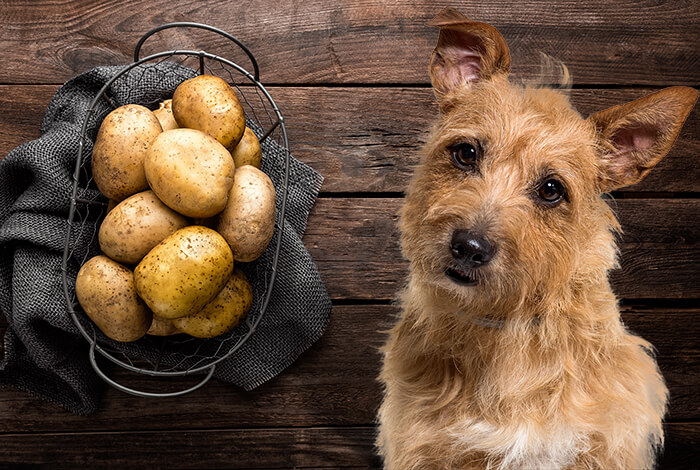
x=165 y=115
x=105 y=290
x=223 y=313
x=136 y=225
x=120 y=147
x=184 y=272
x=248 y=151
x=190 y=172
x=248 y=221
x=162 y=327
x=209 y=104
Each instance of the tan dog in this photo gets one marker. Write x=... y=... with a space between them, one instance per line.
x=509 y=352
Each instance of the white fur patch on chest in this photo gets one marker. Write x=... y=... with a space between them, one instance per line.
x=524 y=446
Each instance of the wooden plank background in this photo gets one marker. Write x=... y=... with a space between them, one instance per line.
x=351 y=80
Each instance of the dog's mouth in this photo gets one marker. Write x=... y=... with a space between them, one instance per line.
x=460 y=277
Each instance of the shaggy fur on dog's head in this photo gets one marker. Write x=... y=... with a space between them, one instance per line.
x=561 y=383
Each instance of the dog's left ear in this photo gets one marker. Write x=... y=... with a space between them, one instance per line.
x=634 y=137
x=466 y=51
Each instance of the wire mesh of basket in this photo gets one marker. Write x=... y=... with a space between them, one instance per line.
x=148 y=81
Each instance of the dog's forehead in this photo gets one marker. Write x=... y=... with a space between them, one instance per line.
x=536 y=126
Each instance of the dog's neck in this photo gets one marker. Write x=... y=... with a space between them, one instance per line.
x=447 y=324
x=530 y=358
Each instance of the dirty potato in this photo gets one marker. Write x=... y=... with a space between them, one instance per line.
x=223 y=313
x=136 y=225
x=105 y=290
x=181 y=274
x=120 y=147
x=162 y=327
x=248 y=151
x=190 y=172
x=209 y=104
x=248 y=221
x=164 y=113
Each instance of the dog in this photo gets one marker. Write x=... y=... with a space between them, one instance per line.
x=509 y=351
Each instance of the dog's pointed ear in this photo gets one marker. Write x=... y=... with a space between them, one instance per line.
x=466 y=51
x=633 y=137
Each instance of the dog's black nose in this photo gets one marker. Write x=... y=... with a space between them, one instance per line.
x=470 y=249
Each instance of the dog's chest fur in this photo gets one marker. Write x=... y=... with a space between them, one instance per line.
x=527 y=446
x=473 y=399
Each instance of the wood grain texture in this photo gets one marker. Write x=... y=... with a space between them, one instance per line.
x=355 y=243
x=332 y=384
x=338 y=448
x=369 y=139
x=358 y=41
x=216 y=448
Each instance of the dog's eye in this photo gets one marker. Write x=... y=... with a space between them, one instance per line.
x=551 y=192
x=465 y=155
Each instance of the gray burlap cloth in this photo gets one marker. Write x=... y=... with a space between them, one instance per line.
x=44 y=353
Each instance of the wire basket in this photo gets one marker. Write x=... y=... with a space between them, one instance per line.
x=177 y=355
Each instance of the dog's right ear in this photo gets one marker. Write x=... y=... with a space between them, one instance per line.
x=466 y=51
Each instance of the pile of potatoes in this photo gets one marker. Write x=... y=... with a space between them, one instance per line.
x=187 y=201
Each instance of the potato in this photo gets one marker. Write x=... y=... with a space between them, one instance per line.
x=248 y=221
x=120 y=147
x=181 y=274
x=105 y=290
x=190 y=172
x=209 y=104
x=136 y=225
x=165 y=115
x=162 y=327
x=248 y=151
x=223 y=313
x=111 y=204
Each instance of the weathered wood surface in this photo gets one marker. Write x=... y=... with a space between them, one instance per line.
x=337 y=448
x=351 y=80
x=316 y=42
x=369 y=139
x=332 y=384
x=355 y=243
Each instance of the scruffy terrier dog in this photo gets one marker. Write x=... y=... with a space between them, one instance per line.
x=509 y=352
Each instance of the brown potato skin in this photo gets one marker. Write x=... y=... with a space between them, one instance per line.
x=181 y=274
x=165 y=115
x=223 y=313
x=248 y=151
x=111 y=204
x=120 y=147
x=162 y=327
x=190 y=172
x=136 y=225
x=105 y=290
x=248 y=221
x=209 y=104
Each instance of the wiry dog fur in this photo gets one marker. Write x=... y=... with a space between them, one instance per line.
x=561 y=383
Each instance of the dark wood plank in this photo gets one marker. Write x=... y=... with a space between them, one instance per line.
x=355 y=243
x=369 y=139
x=249 y=448
x=682 y=449
x=332 y=384
x=218 y=448
x=359 y=41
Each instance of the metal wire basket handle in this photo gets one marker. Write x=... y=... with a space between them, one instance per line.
x=188 y=24
x=139 y=393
